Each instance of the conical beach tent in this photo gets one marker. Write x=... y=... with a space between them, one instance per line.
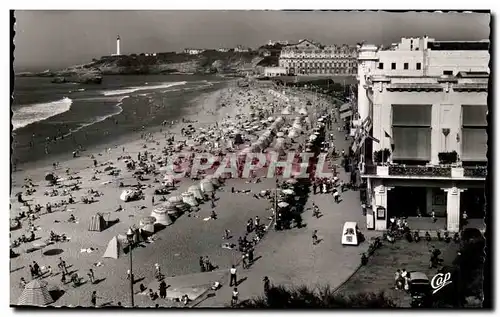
x=114 y=249
x=35 y=293
x=189 y=199
x=196 y=190
x=162 y=216
x=97 y=223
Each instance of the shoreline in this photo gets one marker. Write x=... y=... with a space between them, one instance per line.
x=188 y=108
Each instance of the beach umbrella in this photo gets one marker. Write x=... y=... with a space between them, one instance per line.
x=50 y=177
x=288 y=191
x=282 y=204
x=35 y=293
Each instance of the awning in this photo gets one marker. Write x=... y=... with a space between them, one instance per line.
x=346 y=114
x=345 y=107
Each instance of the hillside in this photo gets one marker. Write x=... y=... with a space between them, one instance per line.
x=208 y=62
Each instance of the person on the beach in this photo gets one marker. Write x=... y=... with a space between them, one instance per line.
x=202 y=264
x=93 y=299
x=267 y=285
x=213 y=215
x=91 y=276
x=163 y=290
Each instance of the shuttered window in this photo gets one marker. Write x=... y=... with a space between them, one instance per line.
x=412 y=143
x=411 y=132
x=474 y=133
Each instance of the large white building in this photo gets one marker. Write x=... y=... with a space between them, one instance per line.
x=310 y=58
x=421 y=100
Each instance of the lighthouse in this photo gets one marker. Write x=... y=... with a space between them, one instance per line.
x=118 y=45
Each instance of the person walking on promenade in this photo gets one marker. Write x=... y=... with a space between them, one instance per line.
x=336 y=196
x=163 y=290
x=315 y=187
x=315 y=237
x=244 y=261
x=234 y=297
x=153 y=200
x=233 y=279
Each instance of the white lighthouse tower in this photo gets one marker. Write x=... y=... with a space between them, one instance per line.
x=118 y=45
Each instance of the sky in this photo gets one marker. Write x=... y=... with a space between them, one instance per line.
x=56 y=39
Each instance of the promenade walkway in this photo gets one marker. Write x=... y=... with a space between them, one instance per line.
x=288 y=257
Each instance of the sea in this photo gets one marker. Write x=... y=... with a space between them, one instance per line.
x=49 y=119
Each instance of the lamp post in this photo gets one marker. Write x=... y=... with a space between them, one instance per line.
x=130 y=239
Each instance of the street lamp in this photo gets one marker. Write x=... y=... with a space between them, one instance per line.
x=130 y=239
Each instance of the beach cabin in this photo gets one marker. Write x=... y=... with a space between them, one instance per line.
x=351 y=234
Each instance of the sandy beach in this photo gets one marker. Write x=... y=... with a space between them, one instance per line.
x=177 y=247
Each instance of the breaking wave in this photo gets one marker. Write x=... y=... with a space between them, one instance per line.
x=29 y=114
x=130 y=90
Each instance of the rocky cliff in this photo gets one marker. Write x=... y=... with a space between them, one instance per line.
x=209 y=62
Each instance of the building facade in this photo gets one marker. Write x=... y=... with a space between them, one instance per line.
x=422 y=133
x=274 y=71
x=310 y=58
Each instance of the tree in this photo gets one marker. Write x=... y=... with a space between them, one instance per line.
x=280 y=296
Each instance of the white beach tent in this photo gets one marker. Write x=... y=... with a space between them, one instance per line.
x=206 y=186
x=196 y=191
x=115 y=247
x=189 y=199
x=161 y=215
x=35 y=293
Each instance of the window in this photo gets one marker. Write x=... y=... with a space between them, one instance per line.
x=419 y=66
x=393 y=65
x=448 y=72
x=405 y=65
x=474 y=134
x=411 y=129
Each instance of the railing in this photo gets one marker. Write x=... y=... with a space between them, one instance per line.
x=437 y=171
x=429 y=171
x=475 y=171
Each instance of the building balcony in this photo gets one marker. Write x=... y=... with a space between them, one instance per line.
x=424 y=172
x=473 y=171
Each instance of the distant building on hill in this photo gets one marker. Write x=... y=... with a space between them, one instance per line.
x=193 y=51
x=242 y=49
x=277 y=42
x=223 y=49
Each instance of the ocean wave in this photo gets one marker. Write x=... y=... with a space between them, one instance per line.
x=95 y=120
x=29 y=114
x=138 y=88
